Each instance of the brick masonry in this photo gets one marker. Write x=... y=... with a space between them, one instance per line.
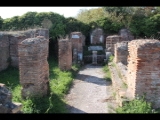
x=97 y=36
x=4 y=51
x=77 y=41
x=9 y=43
x=121 y=52
x=111 y=41
x=65 y=54
x=33 y=66
x=143 y=70
x=14 y=40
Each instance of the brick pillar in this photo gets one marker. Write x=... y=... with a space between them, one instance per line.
x=143 y=70
x=33 y=66
x=121 y=52
x=94 y=57
x=77 y=41
x=65 y=54
x=4 y=51
x=111 y=41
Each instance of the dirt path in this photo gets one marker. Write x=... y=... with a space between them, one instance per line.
x=89 y=91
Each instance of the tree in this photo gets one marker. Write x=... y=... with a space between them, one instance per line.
x=88 y=16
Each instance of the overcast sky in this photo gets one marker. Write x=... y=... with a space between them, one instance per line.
x=8 y=12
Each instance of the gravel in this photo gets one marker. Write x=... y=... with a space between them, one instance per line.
x=89 y=92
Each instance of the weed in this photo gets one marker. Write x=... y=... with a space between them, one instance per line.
x=138 y=105
x=107 y=73
x=60 y=82
x=124 y=85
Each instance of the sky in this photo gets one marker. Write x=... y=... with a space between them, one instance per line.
x=8 y=12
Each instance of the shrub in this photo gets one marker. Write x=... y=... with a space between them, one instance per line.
x=138 y=105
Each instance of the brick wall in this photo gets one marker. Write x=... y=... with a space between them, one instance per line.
x=143 y=70
x=14 y=40
x=65 y=54
x=121 y=52
x=4 y=51
x=9 y=44
x=111 y=41
x=33 y=66
x=77 y=41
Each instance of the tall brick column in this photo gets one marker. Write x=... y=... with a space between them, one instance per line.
x=144 y=70
x=65 y=54
x=121 y=52
x=33 y=66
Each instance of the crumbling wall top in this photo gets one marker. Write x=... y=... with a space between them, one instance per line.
x=145 y=42
x=33 y=40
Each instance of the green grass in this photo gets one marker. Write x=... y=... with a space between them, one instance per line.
x=60 y=82
x=107 y=73
x=106 y=69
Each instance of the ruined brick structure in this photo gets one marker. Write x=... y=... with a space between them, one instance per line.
x=33 y=66
x=111 y=41
x=10 y=41
x=121 y=52
x=77 y=41
x=97 y=36
x=6 y=104
x=126 y=35
x=143 y=70
x=83 y=40
x=65 y=54
x=4 y=51
x=15 y=39
x=75 y=56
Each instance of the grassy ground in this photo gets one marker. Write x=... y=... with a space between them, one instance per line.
x=60 y=82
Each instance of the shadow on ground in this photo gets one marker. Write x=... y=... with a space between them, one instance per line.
x=93 y=79
x=76 y=110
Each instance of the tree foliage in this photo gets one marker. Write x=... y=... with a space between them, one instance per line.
x=141 y=21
